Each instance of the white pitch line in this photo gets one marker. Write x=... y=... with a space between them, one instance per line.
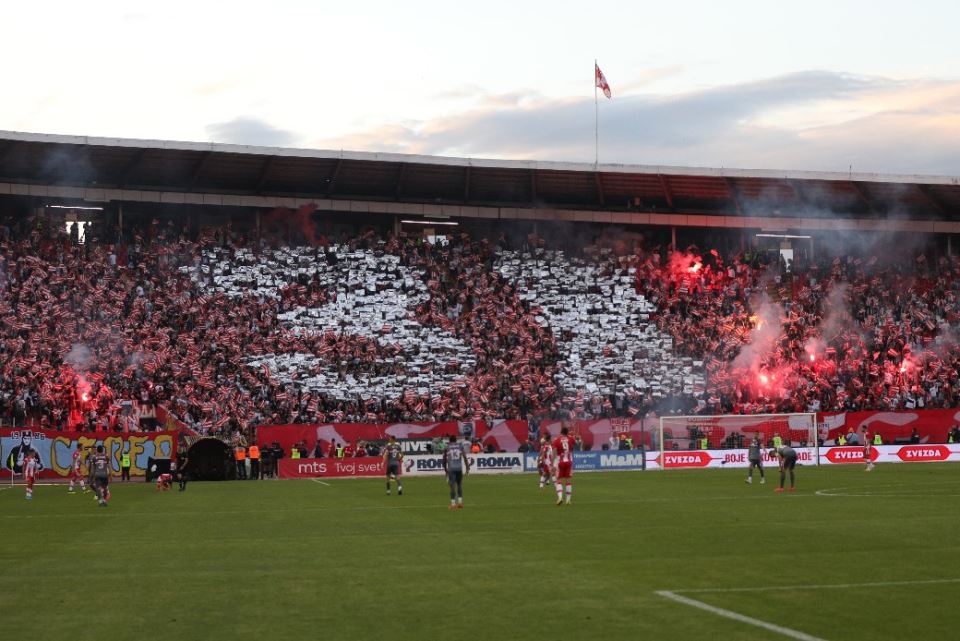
x=822 y=586
x=865 y=493
x=736 y=616
x=320 y=482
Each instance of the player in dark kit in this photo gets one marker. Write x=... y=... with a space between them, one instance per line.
x=179 y=469
x=455 y=464
x=392 y=457
x=755 y=458
x=788 y=461
x=100 y=470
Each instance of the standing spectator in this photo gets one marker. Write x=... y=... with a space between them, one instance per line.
x=266 y=462
x=254 y=454
x=275 y=456
x=240 y=456
x=125 y=466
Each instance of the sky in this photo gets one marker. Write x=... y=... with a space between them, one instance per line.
x=836 y=86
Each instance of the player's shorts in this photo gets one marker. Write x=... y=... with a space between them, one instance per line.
x=789 y=462
x=454 y=477
x=30 y=480
x=546 y=470
x=756 y=462
x=393 y=469
x=101 y=481
x=565 y=470
x=76 y=475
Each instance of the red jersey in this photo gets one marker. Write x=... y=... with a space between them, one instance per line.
x=563 y=447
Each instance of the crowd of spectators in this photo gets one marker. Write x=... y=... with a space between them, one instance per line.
x=227 y=332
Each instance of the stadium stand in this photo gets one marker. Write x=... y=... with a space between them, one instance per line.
x=227 y=333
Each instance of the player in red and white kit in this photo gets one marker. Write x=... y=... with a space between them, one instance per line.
x=563 y=447
x=163 y=482
x=76 y=470
x=31 y=465
x=546 y=460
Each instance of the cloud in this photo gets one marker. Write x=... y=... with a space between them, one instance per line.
x=250 y=131
x=806 y=120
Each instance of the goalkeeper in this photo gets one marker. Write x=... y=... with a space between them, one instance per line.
x=788 y=461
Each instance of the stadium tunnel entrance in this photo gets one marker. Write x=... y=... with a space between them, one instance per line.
x=210 y=459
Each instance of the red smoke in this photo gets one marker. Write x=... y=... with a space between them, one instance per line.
x=301 y=220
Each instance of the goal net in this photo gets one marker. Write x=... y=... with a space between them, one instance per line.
x=712 y=441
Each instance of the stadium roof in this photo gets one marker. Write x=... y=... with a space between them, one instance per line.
x=127 y=170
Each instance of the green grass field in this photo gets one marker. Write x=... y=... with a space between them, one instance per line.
x=874 y=558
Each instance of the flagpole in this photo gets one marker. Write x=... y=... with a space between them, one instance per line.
x=596 y=119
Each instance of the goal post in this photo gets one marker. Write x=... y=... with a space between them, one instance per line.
x=722 y=440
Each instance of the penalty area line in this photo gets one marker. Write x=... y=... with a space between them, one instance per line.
x=736 y=616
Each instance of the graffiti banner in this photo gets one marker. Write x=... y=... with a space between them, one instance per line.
x=56 y=449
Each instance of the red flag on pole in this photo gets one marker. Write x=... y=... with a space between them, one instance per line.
x=601 y=80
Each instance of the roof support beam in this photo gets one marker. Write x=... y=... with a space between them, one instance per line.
x=466 y=184
x=198 y=168
x=8 y=150
x=734 y=195
x=398 y=188
x=131 y=166
x=265 y=172
x=861 y=192
x=601 y=199
x=931 y=198
x=667 y=192
x=795 y=186
x=332 y=181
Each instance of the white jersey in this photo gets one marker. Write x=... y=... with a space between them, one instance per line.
x=30 y=468
x=547 y=456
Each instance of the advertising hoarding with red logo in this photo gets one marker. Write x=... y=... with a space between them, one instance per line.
x=720 y=458
x=891 y=454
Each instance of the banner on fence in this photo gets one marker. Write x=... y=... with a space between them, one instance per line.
x=678 y=459
x=894 y=427
x=56 y=449
x=504 y=435
x=412 y=465
x=612 y=460
x=306 y=468
x=891 y=454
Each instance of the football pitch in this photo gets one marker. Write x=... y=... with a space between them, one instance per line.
x=655 y=555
